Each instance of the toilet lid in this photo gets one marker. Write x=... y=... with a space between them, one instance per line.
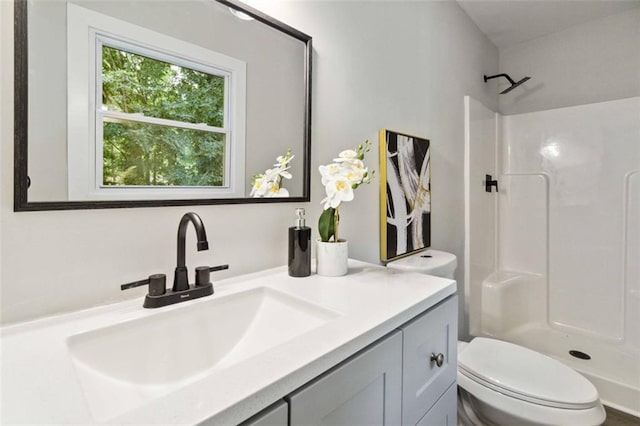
x=431 y=262
x=525 y=374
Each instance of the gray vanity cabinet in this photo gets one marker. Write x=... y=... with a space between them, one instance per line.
x=406 y=378
x=365 y=390
x=429 y=360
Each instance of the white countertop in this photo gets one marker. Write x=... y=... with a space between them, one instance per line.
x=40 y=384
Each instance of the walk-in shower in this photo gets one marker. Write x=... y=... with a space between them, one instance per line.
x=551 y=260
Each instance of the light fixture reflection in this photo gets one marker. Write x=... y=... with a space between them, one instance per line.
x=550 y=151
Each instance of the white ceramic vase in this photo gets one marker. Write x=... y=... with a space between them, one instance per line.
x=331 y=258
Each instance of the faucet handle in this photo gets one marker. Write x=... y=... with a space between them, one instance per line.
x=203 y=273
x=157 y=284
x=218 y=268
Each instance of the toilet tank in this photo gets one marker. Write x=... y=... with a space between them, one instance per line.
x=429 y=262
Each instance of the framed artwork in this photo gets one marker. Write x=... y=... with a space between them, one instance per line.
x=405 y=194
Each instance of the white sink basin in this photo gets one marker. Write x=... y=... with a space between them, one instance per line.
x=122 y=366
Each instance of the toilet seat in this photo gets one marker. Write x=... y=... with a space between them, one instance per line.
x=498 y=409
x=525 y=375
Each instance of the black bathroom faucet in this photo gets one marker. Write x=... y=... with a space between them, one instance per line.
x=181 y=278
x=158 y=295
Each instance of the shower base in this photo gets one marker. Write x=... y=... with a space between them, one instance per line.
x=614 y=369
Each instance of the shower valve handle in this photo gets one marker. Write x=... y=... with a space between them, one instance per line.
x=489 y=182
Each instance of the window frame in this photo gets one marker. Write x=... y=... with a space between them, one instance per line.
x=101 y=41
x=87 y=32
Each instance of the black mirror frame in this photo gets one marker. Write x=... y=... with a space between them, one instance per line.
x=21 y=114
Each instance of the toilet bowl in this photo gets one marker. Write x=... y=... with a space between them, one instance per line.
x=506 y=384
x=500 y=383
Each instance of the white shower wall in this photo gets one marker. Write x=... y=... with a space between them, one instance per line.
x=563 y=234
x=569 y=211
x=481 y=155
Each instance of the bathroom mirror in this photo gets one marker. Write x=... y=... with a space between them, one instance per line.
x=157 y=103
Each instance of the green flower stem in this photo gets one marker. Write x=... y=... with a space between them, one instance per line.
x=336 y=222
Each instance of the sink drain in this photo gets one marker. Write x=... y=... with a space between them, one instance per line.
x=579 y=354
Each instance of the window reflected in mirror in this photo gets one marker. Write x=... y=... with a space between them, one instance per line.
x=165 y=117
x=152 y=100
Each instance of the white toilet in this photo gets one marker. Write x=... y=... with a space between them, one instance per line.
x=500 y=383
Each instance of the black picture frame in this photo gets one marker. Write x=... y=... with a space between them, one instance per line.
x=21 y=113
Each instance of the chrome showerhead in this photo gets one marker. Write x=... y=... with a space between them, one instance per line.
x=514 y=84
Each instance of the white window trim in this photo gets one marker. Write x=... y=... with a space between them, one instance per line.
x=100 y=114
x=86 y=30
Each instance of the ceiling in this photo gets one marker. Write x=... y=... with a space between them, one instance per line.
x=509 y=22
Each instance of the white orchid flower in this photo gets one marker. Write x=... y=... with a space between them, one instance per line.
x=355 y=176
x=260 y=186
x=268 y=183
x=270 y=173
x=346 y=155
x=329 y=172
x=338 y=190
x=284 y=160
x=340 y=178
x=275 y=191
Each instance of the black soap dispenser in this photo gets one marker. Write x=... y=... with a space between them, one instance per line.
x=299 y=247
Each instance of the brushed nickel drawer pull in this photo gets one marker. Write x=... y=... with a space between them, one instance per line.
x=438 y=359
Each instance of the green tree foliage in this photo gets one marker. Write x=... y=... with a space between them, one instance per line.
x=138 y=153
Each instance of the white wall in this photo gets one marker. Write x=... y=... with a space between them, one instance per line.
x=400 y=65
x=591 y=62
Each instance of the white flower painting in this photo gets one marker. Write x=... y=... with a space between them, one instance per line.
x=405 y=207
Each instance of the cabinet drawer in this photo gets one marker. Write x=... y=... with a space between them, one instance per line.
x=444 y=412
x=423 y=382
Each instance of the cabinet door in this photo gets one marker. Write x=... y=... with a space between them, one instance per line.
x=275 y=415
x=444 y=412
x=427 y=336
x=365 y=390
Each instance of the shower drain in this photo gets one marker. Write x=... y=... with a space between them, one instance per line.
x=579 y=354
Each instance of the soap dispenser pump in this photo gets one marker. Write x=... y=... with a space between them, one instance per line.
x=300 y=247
